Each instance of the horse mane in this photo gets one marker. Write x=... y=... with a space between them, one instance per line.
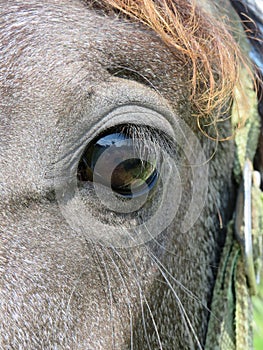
x=204 y=42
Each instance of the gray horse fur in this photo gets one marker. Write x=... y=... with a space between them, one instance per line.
x=60 y=289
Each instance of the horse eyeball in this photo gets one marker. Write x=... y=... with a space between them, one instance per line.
x=116 y=159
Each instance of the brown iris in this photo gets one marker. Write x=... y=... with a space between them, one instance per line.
x=118 y=153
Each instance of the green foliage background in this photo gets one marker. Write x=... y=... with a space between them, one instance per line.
x=258 y=319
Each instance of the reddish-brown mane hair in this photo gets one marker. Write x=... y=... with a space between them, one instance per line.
x=203 y=41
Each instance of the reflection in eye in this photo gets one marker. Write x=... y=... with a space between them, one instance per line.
x=132 y=176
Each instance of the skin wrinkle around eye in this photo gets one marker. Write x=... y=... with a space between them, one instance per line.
x=113 y=96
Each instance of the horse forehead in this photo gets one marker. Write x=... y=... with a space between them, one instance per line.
x=53 y=54
x=40 y=39
x=63 y=26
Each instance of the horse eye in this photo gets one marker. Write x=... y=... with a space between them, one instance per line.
x=128 y=164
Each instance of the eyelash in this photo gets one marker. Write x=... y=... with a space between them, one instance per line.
x=148 y=136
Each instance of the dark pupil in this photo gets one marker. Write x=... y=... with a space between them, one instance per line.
x=130 y=176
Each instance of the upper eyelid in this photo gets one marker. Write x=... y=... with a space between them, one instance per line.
x=147 y=134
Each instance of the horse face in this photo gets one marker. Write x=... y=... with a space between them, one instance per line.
x=84 y=265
